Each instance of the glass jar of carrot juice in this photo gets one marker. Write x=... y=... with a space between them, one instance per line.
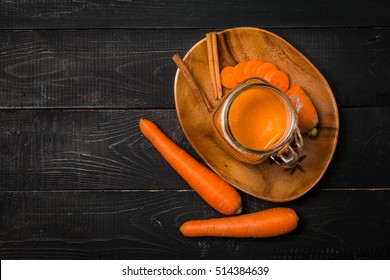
x=256 y=121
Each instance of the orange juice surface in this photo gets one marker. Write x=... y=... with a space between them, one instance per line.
x=257 y=118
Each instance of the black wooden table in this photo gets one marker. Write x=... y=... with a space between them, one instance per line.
x=79 y=181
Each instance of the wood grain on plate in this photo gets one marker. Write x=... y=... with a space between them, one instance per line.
x=265 y=181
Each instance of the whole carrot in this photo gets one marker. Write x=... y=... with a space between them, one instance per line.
x=215 y=191
x=307 y=115
x=266 y=223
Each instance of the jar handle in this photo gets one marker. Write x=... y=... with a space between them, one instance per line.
x=286 y=158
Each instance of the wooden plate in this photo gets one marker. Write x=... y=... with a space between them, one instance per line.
x=264 y=181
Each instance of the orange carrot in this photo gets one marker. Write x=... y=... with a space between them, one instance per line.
x=251 y=67
x=238 y=71
x=307 y=114
x=278 y=78
x=215 y=191
x=227 y=77
x=266 y=223
x=264 y=69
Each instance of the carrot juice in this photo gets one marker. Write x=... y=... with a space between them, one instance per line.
x=257 y=118
x=257 y=121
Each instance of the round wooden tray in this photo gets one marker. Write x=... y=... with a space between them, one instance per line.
x=266 y=181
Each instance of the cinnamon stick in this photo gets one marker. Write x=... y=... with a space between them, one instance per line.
x=204 y=102
x=214 y=45
x=210 y=57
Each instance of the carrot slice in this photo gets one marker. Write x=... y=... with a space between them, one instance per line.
x=264 y=69
x=227 y=77
x=238 y=71
x=251 y=67
x=266 y=223
x=278 y=78
x=307 y=113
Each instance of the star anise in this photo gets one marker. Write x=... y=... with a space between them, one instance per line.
x=297 y=166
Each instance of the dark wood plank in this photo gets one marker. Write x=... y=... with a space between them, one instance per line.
x=362 y=150
x=133 y=69
x=199 y=14
x=122 y=69
x=104 y=149
x=84 y=150
x=334 y=224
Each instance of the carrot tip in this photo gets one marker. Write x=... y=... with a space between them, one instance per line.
x=239 y=210
x=312 y=132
